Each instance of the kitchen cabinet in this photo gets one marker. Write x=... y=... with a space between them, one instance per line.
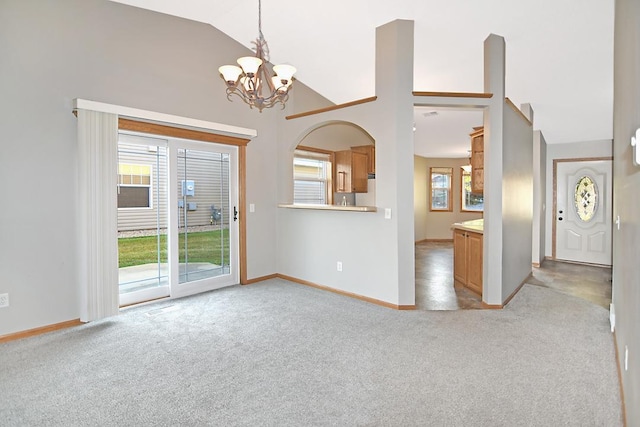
x=467 y=259
x=477 y=160
x=370 y=151
x=351 y=172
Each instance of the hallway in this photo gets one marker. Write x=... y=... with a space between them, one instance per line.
x=435 y=288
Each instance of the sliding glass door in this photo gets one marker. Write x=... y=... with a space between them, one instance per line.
x=142 y=218
x=177 y=227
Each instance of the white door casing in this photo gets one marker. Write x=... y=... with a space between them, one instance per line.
x=583 y=211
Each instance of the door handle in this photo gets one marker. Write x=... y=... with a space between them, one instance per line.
x=235 y=214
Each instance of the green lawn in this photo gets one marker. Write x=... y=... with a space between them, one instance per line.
x=204 y=246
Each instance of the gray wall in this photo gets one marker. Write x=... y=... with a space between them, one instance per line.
x=53 y=52
x=626 y=199
x=377 y=253
x=517 y=201
x=437 y=225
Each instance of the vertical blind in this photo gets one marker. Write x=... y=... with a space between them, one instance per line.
x=97 y=216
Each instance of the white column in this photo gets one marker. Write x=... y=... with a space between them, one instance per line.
x=394 y=188
x=494 y=77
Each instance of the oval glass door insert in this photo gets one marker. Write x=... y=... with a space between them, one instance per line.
x=586 y=198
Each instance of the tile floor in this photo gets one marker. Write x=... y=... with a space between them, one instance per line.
x=436 y=290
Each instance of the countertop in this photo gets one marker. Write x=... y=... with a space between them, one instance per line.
x=332 y=207
x=475 y=225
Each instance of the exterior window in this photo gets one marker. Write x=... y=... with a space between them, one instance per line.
x=471 y=202
x=311 y=177
x=441 y=189
x=586 y=198
x=134 y=186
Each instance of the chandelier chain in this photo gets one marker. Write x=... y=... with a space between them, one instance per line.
x=260 y=18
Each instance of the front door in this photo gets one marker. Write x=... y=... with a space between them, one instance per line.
x=583 y=211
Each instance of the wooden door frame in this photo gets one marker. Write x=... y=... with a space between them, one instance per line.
x=197 y=135
x=555 y=194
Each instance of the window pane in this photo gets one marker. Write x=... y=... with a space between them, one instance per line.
x=439 y=199
x=309 y=192
x=133 y=197
x=470 y=201
x=305 y=168
x=586 y=198
x=440 y=181
x=311 y=177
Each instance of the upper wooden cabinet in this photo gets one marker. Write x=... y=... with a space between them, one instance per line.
x=477 y=160
x=370 y=151
x=351 y=172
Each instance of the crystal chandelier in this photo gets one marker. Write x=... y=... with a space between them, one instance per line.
x=251 y=81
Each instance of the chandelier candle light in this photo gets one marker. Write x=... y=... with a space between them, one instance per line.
x=251 y=80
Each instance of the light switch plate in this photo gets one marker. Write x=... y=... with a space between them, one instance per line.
x=387 y=213
x=252 y=207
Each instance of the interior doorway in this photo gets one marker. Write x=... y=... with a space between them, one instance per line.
x=442 y=148
x=178 y=232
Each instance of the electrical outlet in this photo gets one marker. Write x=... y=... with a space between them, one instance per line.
x=339 y=265
x=4 y=300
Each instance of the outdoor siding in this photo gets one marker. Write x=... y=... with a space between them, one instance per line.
x=204 y=168
x=208 y=170
x=145 y=218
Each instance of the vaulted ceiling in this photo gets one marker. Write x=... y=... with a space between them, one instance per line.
x=559 y=55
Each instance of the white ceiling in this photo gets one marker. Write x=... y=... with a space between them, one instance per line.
x=559 y=55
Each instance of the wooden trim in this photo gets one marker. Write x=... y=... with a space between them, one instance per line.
x=435 y=241
x=620 y=383
x=584 y=159
x=589 y=264
x=513 y=294
x=462 y=172
x=260 y=279
x=492 y=306
x=41 y=330
x=555 y=208
x=348 y=294
x=536 y=264
x=450 y=190
x=176 y=132
x=242 y=194
x=331 y=108
x=555 y=195
x=517 y=110
x=314 y=149
x=454 y=94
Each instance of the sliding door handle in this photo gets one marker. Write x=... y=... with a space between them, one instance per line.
x=235 y=214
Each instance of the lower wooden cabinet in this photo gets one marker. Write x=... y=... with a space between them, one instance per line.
x=467 y=259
